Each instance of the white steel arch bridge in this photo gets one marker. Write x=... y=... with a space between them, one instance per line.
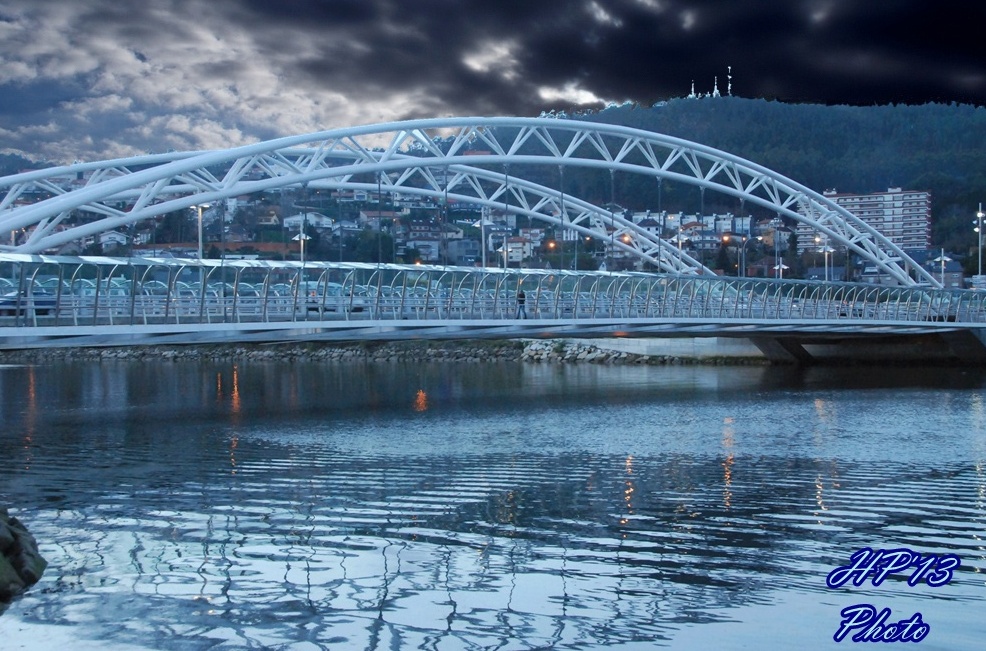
x=50 y=300
x=472 y=165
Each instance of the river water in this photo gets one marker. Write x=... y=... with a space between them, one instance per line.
x=207 y=505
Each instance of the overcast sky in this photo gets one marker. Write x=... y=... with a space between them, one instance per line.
x=93 y=79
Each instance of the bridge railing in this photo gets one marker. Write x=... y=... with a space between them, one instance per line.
x=58 y=292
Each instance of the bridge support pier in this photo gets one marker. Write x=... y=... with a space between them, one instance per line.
x=968 y=346
x=782 y=350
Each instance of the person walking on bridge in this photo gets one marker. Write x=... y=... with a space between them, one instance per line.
x=521 y=304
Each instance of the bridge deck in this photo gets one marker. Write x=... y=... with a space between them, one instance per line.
x=47 y=301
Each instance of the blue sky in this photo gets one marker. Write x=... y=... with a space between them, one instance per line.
x=108 y=78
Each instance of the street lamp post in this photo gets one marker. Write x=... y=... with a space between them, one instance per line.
x=680 y=238
x=825 y=250
x=725 y=242
x=818 y=242
x=979 y=236
x=779 y=261
x=747 y=240
x=561 y=251
x=777 y=252
x=200 y=207
x=300 y=238
x=482 y=236
x=741 y=263
x=942 y=259
x=201 y=268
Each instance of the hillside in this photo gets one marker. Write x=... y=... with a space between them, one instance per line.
x=940 y=148
x=936 y=147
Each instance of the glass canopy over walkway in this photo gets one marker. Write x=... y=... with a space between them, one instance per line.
x=121 y=300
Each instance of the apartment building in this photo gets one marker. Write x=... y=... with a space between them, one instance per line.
x=902 y=216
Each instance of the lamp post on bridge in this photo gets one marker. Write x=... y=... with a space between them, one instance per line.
x=942 y=259
x=680 y=238
x=301 y=238
x=725 y=242
x=744 y=239
x=779 y=265
x=200 y=207
x=482 y=235
x=825 y=250
x=201 y=268
x=747 y=240
x=979 y=237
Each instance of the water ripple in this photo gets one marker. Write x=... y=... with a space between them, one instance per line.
x=564 y=511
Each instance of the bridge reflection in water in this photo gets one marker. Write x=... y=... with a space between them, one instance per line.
x=239 y=505
x=101 y=301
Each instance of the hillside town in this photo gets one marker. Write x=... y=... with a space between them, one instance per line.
x=364 y=226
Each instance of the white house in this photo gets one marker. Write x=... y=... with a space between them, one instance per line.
x=315 y=220
x=110 y=239
x=428 y=247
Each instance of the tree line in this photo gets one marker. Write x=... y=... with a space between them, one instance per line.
x=940 y=148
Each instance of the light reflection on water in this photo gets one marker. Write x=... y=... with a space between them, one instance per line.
x=508 y=506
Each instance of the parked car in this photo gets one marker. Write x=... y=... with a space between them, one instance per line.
x=322 y=297
x=16 y=303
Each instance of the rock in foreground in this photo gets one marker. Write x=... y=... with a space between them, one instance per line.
x=21 y=565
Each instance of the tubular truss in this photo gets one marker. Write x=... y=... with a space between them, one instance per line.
x=470 y=162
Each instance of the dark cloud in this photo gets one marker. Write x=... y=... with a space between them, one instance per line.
x=23 y=103
x=316 y=12
x=203 y=74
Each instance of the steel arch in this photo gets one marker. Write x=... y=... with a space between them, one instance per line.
x=487 y=188
x=409 y=157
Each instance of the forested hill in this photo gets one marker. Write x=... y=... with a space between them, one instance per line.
x=936 y=147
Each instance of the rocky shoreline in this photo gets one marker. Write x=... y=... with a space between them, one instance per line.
x=569 y=351
x=21 y=565
x=471 y=351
